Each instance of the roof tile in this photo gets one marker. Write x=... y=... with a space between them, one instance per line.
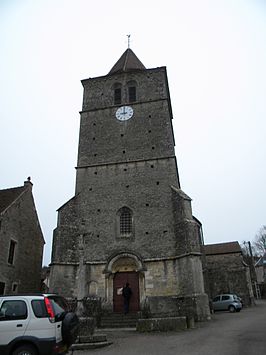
x=222 y=248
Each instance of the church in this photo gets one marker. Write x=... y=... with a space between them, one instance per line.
x=129 y=220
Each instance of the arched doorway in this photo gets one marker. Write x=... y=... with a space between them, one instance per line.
x=120 y=280
x=120 y=269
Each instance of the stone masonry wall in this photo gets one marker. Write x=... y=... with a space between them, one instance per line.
x=144 y=188
x=147 y=135
x=227 y=274
x=20 y=223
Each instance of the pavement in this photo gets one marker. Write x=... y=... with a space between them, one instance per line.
x=227 y=333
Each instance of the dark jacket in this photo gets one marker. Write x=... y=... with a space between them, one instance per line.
x=127 y=292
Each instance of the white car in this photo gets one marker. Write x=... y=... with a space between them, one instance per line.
x=38 y=324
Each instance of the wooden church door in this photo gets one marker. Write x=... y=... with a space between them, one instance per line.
x=120 y=280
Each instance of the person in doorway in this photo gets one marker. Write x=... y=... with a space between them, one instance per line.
x=126 y=294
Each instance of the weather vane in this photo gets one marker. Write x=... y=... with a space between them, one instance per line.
x=128 y=41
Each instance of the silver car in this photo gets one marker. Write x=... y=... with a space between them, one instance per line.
x=227 y=302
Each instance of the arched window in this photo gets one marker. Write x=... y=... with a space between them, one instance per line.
x=125 y=222
x=117 y=93
x=132 y=91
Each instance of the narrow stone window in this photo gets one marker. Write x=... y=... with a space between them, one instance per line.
x=125 y=222
x=132 y=91
x=117 y=94
x=132 y=94
x=117 y=98
x=11 y=253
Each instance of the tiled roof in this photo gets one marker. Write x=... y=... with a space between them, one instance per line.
x=7 y=196
x=222 y=248
x=127 y=62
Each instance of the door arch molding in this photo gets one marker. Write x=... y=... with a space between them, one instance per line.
x=139 y=265
x=123 y=262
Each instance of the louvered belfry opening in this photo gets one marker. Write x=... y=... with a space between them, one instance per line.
x=132 y=94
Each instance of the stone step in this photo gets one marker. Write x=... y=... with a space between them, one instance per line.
x=91 y=345
x=119 y=321
x=90 y=342
x=95 y=338
x=118 y=325
x=121 y=315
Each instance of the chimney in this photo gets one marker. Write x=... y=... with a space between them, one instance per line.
x=28 y=183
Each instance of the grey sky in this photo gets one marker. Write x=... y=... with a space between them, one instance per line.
x=215 y=53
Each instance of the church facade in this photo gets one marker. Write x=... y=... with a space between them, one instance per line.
x=129 y=220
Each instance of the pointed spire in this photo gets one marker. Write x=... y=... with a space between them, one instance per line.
x=127 y=62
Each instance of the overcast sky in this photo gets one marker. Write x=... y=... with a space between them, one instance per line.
x=215 y=53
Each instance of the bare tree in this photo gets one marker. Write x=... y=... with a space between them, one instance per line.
x=260 y=241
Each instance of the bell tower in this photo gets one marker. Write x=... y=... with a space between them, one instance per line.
x=129 y=221
x=126 y=117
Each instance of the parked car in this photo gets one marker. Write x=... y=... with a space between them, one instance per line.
x=37 y=324
x=226 y=302
x=240 y=300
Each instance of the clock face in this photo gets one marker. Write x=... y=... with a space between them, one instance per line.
x=124 y=113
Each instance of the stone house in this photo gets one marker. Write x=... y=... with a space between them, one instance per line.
x=129 y=220
x=21 y=241
x=227 y=272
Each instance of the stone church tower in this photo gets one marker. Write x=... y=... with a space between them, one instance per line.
x=129 y=221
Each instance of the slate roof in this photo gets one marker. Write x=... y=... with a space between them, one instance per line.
x=222 y=248
x=8 y=196
x=127 y=62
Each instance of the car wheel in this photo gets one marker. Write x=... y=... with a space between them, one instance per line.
x=25 y=350
x=231 y=309
x=70 y=328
